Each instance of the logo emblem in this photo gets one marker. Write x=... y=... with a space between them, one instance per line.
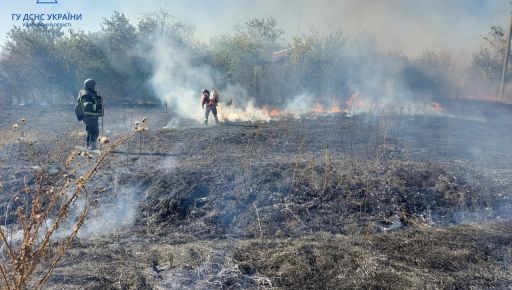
x=46 y=1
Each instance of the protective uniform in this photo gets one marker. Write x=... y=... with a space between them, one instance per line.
x=209 y=103
x=89 y=107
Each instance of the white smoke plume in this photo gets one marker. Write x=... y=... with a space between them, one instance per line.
x=380 y=78
x=112 y=217
x=176 y=81
x=301 y=104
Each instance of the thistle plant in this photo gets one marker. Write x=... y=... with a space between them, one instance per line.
x=43 y=206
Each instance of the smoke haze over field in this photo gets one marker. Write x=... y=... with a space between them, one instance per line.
x=398 y=25
x=385 y=50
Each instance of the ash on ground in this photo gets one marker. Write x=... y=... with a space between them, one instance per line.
x=335 y=202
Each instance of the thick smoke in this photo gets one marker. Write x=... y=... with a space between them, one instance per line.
x=398 y=25
x=371 y=72
x=178 y=81
x=301 y=104
x=374 y=62
x=359 y=67
x=175 y=80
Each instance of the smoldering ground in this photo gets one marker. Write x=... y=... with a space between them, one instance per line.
x=389 y=178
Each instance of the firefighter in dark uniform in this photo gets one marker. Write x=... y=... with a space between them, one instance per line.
x=89 y=107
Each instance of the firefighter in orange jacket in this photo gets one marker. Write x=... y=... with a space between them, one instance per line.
x=209 y=104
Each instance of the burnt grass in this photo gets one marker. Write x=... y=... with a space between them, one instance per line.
x=324 y=202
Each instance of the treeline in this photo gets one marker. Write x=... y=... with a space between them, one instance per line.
x=48 y=65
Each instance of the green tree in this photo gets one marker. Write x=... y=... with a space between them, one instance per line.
x=487 y=62
x=430 y=74
x=240 y=58
x=118 y=39
x=32 y=64
x=263 y=31
x=161 y=24
x=315 y=64
x=84 y=58
x=244 y=57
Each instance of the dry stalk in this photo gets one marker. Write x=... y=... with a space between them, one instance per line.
x=47 y=206
x=259 y=221
x=296 y=163
x=294 y=215
x=327 y=171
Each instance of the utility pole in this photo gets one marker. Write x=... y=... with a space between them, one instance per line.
x=505 y=59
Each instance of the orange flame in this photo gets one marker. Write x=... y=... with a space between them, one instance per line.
x=273 y=112
x=334 y=109
x=355 y=103
x=317 y=109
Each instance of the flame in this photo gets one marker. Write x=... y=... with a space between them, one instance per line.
x=354 y=104
x=317 y=109
x=249 y=113
x=274 y=113
x=335 y=109
x=353 y=99
x=321 y=110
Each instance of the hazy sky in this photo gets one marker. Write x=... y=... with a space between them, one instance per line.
x=408 y=26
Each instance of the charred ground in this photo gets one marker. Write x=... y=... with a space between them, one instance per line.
x=365 y=201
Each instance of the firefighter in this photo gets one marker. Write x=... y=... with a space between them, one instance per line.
x=209 y=104
x=88 y=108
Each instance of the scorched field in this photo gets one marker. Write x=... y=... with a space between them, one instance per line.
x=375 y=200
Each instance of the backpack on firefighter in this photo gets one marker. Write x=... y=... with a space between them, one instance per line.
x=89 y=103
x=214 y=99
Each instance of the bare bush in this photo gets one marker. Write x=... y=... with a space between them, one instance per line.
x=43 y=206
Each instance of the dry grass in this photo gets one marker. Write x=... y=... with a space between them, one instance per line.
x=42 y=206
x=458 y=258
x=462 y=257
x=361 y=202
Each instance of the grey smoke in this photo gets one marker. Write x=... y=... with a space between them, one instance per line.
x=175 y=80
x=114 y=215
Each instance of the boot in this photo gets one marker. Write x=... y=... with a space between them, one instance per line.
x=92 y=146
